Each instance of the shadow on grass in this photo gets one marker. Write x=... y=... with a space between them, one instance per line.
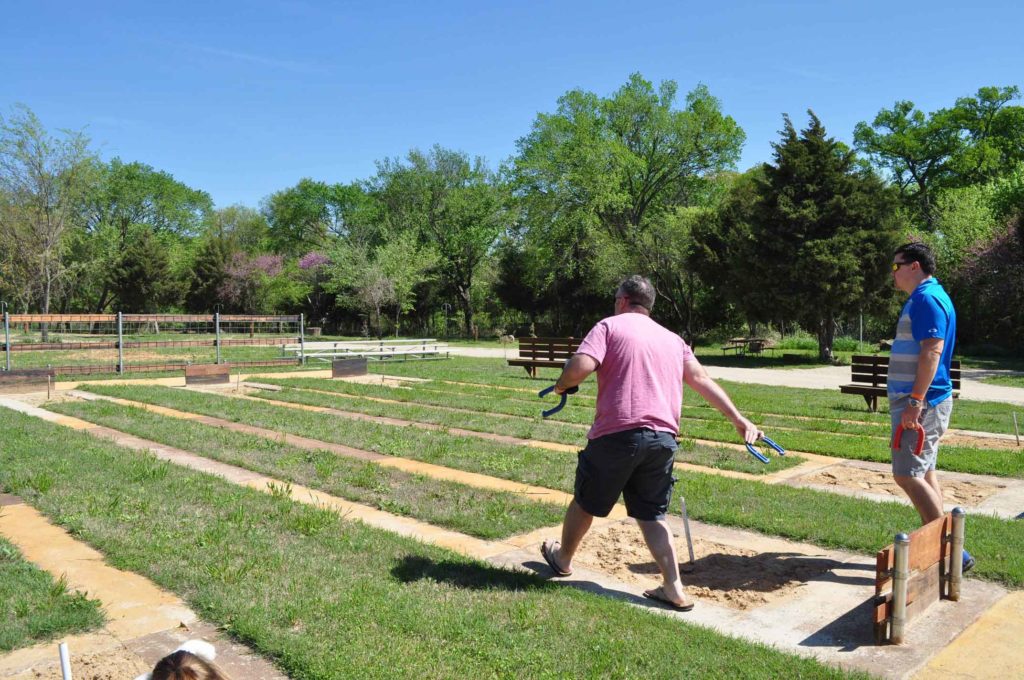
x=474 y=576
x=760 y=361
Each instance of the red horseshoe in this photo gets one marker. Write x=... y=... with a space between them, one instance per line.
x=899 y=436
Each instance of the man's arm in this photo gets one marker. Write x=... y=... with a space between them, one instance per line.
x=696 y=377
x=927 y=363
x=576 y=371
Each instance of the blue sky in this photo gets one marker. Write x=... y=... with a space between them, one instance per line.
x=244 y=99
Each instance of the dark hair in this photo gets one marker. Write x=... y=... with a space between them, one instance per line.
x=638 y=291
x=920 y=253
x=182 y=665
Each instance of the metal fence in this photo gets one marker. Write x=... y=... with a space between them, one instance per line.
x=125 y=343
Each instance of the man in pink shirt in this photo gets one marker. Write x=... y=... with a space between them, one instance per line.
x=641 y=367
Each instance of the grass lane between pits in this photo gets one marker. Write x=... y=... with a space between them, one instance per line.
x=326 y=598
x=536 y=429
x=874 y=447
x=483 y=513
x=35 y=607
x=818 y=517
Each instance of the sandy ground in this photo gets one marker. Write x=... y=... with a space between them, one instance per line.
x=733 y=577
x=968 y=493
x=115 y=664
x=959 y=439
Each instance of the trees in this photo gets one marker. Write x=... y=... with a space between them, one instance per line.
x=810 y=239
x=141 y=280
x=973 y=142
x=302 y=217
x=454 y=205
x=43 y=180
x=623 y=165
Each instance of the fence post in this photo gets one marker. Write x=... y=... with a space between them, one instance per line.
x=956 y=554
x=7 y=337
x=120 y=343
x=216 y=330
x=302 y=339
x=899 y=588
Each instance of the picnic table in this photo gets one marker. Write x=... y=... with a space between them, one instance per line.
x=747 y=345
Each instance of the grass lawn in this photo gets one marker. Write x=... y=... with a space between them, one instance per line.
x=326 y=598
x=486 y=421
x=869 y=441
x=36 y=608
x=483 y=513
x=1008 y=380
x=818 y=517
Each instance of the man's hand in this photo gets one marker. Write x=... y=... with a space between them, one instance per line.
x=576 y=370
x=750 y=432
x=911 y=417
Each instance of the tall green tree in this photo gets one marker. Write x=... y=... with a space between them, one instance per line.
x=456 y=206
x=141 y=280
x=303 y=217
x=43 y=181
x=815 y=239
x=622 y=165
x=973 y=142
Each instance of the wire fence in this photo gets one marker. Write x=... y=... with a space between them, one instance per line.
x=75 y=344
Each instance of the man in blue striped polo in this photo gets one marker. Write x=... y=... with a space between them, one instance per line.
x=919 y=384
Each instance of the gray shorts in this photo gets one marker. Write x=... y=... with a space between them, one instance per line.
x=935 y=420
x=636 y=464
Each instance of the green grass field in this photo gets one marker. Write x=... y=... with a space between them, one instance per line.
x=326 y=598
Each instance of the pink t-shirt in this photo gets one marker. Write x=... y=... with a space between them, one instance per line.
x=640 y=377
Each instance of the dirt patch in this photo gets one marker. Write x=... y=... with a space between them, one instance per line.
x=115 y=664
x=969 y=493
x=730 y=576
x=973 y=441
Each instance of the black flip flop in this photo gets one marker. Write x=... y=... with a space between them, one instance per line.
x=551 y=560
x=658 y=595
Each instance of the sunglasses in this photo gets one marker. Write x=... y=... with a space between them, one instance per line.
x=896 y=265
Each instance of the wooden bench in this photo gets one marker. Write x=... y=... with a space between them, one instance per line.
x=207 y=374
x=537 y=353
x=869 y=374
x=25 y=379
x=738 y=345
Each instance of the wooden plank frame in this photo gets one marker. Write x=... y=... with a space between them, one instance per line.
x=928 y=564
x=207 y=374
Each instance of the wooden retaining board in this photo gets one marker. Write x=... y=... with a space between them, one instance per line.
x=25 y=380
x=927 y=563
x=343 y=368
x=207 y=374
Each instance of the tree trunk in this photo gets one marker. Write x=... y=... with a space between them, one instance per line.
x=466 y=302
x=826 y=338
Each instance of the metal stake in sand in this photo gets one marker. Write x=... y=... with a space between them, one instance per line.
x=956 y=554
x=899 y=588
x=686 y=529
x=1015 y=430
x=65 y=661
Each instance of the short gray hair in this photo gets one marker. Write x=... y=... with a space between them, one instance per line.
x=638 y=291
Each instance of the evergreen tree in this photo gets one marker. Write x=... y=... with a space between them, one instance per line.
x=209 y=274
x=141 y=279
x=816 y=239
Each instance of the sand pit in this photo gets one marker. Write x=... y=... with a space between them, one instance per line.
x=733 y=577
x=968 y=493
x=974 y=441
x=115 y=664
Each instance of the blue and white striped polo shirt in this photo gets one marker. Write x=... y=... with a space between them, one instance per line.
x=928 y=313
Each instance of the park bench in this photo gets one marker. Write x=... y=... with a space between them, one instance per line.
x=376 y=350
x=747 y=345
x=537 y=353
x=869 y=374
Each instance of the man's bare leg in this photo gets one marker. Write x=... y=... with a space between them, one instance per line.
x=923 y=495
x=575 y=526
x=658 y=536
x=933 y=481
